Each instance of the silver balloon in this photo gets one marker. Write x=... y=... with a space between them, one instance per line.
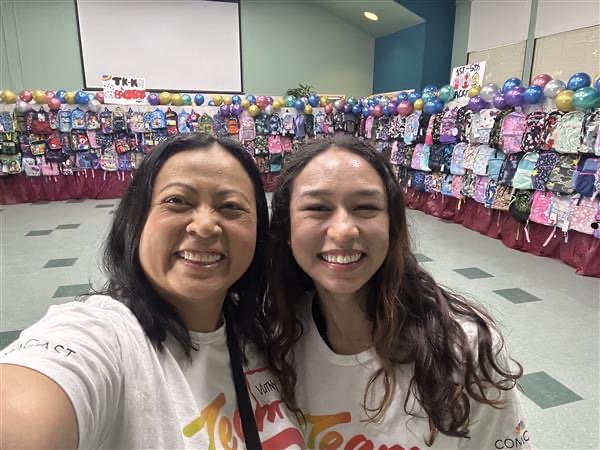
x=337 y=104
x=553 y=88
x=268 y=110
x=383 y=102
x=489 y=91
x=21 y=106
x=94 y=105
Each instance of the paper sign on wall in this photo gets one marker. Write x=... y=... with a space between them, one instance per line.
x=120 y=90
x=464 y=78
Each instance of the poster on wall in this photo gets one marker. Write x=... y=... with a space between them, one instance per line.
x=121 y=90
x=464 y=78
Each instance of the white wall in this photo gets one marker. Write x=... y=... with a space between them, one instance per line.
x=495 y=23
x=559 y=16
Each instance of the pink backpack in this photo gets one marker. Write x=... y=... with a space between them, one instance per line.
x=429 y=133
x=540 y=207
x=457 y=183
x=512 y=131
x=416 y=158
x=481 y=184
x=583 y=214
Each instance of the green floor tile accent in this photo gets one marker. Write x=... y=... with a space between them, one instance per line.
x=473 y=273
x=422 y=258
x=545 y=391
x=65 y=262
x=517 y=295
x=105 y=205
x=68 y=226
x=8 y=337
x=39 y=233
x=72 y=290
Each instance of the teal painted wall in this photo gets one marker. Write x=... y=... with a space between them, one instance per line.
x=399 y=60
x=283 y=44
x=461 y=33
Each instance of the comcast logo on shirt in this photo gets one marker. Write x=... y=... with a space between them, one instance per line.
x=519 y=441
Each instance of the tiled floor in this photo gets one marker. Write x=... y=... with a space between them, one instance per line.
x=549 y=315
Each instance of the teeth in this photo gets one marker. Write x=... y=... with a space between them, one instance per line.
x=339 y=259
x=201 y=258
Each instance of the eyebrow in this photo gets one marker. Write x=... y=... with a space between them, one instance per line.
x=326 y=193
x=220 y=193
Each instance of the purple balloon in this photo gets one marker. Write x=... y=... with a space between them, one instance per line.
x=476 y=104
x=236 y=109
x=514 y=97
x=499 y=102
x=224 y=110
x=270 y=99
x=153 y=99
x=347 y=108
x=393 y=106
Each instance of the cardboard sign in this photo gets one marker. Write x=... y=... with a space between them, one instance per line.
x=464 y=78
x=120 y=90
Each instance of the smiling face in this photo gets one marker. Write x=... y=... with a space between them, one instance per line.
x=339 y=222
x=200 y=234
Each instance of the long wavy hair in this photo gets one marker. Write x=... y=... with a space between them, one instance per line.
x=127 y=281
x=415 y=320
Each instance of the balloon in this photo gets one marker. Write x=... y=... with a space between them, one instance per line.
x=251 y=99
x=236 y=99
x=392 y=106
x=489 y=91
x=289 y=101
x=371 y=110
x=94 y=105
x=419 y=104
x=533 y=95
x=278 y=104
x=405 y=108
x=413 y=97
x=299 y=105
x=270 y=100
x=541 y=80
x=383 y=101
x=377 y=111
x=211 y=102
x=430 y=107
x=91 y=96
x=323 y=101
x=99 y=96
x=347 y=108
x=499 y=101
x=597 y=83
x=54 y=103
x=269 y=110
x=199 y=99
x=446 y=93
x=428 y=96
x=39 y=96
x=510 y=84
x=352 y=101
x=236 y=109
x=388 y=111
x=21 y=106
x=476 y=104
x=217 y=100
x=81 y=98
x=153 y=99
x=245 y=103
x=313 y=100
x=186 y=99
x=25 y=96
x=165 y=98
x=401 y=97
x=578 y=81
x=371 y=102
x=356 y=110
x=227 y=100
x=337 y=104
x=262 y=101
x=474 y=91
x=328 y=108
x=8 y=96
x=514 y=97
x=564 y=100
x=429 y=88
x=308 y=109
x=177 y=100
x=50 y=94
x=553 y=88
x=585 y=98
x=224 y=110
x=70 y=97
x=60 y=94
x=253 y=110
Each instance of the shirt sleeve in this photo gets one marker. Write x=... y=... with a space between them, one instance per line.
x=77 y=347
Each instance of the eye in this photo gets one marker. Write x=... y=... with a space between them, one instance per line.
x=317 y=208
x=174 y=200
x=232 y=206
x=367 y=207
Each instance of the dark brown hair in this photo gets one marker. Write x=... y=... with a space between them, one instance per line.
x=415 y=320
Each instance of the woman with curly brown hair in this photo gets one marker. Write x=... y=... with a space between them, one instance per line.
x=371 y=352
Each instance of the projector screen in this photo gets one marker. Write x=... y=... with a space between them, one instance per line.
x=185 y=46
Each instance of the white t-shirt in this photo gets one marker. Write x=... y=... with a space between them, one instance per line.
x=128 y=395
x=330 y=392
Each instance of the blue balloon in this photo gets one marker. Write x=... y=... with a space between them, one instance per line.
x=60 y=94
x=533 y=95
x=236 y=99
x=413 y=97
x=365 y=111
x=597 y=84
x=251 y=99
x=430 y=107
x=313 y=100
x=81 y=98
x=299 y=105
x=430 y=88
x=578 y=81
x=356 y=109
x=511 y=83
x=439 y=105
x=211 y=103
x=427 y=96
x=372 y=102
x=401 y=97
x=199 y=99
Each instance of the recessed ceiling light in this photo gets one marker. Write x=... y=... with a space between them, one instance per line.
x=371 y=16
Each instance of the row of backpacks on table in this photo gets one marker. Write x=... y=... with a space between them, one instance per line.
x=62 y=142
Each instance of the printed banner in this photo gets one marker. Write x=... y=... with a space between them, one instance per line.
x=119 y=90
x=464 y=78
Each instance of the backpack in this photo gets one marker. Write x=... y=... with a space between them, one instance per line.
x=92 y=122
x=40 y=123
x=589 y=132
x=418 y=182
x=429 y=183
x=583 y=214
x=560 y=213
x=552 y=119
x=289 y=128
x=463 y=123
x=496 y=133
x=275 y=124
x=233 y=125
x=183 y=123
x=83 y=160
x=158 y=120
x=483 y=125
x=469 y=156
x=136 y=122
x=540 y=208
x=424 y=119
x=448 y=129
x=408 y=155
x=490 y=193
x=350 y=125
x=31 y=166
x=495 y=163
x=424 y=161
x=457 y=183
x=170 y=121
x=125 y=162
x=274 y=144
x=106 y=121
x=319 y=122
x=109 y=160
x=481 y=183
x=561 y=177
x=468 y=185
x=261 y=122
x=484 y=153
x=584 y=176
x=456 y=164
x=567 y=133
x=520 y=206
x=512 y=131
x=502 y=198
x=49 y=168
x=247 y=129
x=534 y=128
x=8 y=143
x=436 y=158
x=220 y=126
x=436 y=182
x=447 y=185
x=429 y=132
x=119 y=122
x=300 y=129
x=545 y=164
x=416 y=157
x=411 y=127
x=509 y=168
x=522 y=178
x=205 y=123
x=10 y=165
x=6 y=122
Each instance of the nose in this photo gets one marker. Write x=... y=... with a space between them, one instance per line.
x=342 y=230
x=204 y=224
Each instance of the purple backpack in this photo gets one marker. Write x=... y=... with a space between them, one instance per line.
x=512 y=131
x=448 y=129
x=544 y=166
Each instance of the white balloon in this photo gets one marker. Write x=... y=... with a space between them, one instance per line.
x=95 y=105
x=268 y=110
x=489 y=91
x=553 y=88
x=21 y=106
